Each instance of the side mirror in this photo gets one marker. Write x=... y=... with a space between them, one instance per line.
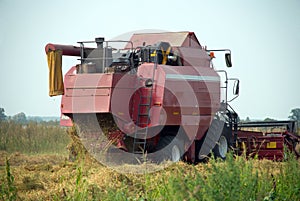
x=148 y=83
x=228 y=60
x=236 y=88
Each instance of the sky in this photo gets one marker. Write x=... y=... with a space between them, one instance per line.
x=262 y=35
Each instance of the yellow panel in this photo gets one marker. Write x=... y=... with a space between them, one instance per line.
x=271 y=145
x=56 y=85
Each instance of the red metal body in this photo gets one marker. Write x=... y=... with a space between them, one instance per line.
x=92 y=93
x=187 y=96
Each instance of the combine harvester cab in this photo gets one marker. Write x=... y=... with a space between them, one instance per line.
x=157 y=95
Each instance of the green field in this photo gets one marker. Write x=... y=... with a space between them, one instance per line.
x=34 y=165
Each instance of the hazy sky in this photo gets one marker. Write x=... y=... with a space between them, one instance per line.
x=264 y=37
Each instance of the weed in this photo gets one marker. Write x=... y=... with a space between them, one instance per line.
x=8 y=189
x=288 y=180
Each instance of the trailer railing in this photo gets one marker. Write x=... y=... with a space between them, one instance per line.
x=290 y=125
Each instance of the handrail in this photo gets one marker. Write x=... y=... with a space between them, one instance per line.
x=226 y=84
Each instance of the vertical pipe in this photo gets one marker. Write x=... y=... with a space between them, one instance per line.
x=81 y=52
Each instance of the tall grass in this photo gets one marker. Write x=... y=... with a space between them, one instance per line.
x=33 y=138
x=288 y=180
x=237 y=178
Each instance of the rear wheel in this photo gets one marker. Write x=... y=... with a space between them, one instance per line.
x=221 y=148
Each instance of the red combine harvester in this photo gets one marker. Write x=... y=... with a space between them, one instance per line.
x=158 y=94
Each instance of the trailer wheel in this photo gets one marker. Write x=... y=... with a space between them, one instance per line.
x=221 y=148
x=171 y=147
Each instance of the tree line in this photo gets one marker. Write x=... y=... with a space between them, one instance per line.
x=21 y=118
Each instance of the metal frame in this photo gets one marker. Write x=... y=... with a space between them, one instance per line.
x=82 y=56
x=290 y=125
x=218 y=50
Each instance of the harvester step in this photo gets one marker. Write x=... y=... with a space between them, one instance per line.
x=141 y=132
x=138 y=139
x=144 y=134
x=139 y=152
x=143 y=78
x=141 y=142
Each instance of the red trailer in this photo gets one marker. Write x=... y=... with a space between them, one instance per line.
x=158 y=95
x=272 y=140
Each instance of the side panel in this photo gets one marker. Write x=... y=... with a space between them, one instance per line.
x=92 y=93
x=124 y=86
x=191 y=98
x=86 y=93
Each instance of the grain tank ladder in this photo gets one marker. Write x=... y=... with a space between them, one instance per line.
x=143 y=115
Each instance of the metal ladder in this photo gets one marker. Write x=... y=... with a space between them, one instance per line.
x=143 y=116
x=143 y=119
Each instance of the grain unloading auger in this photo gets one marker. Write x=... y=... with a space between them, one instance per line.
x=158 y=94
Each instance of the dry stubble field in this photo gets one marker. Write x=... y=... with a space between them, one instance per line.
x=32 y=172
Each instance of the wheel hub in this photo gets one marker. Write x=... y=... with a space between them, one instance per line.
x=223 y=146
x=175 y=153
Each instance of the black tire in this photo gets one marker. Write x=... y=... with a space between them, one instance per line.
x=171 y=148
